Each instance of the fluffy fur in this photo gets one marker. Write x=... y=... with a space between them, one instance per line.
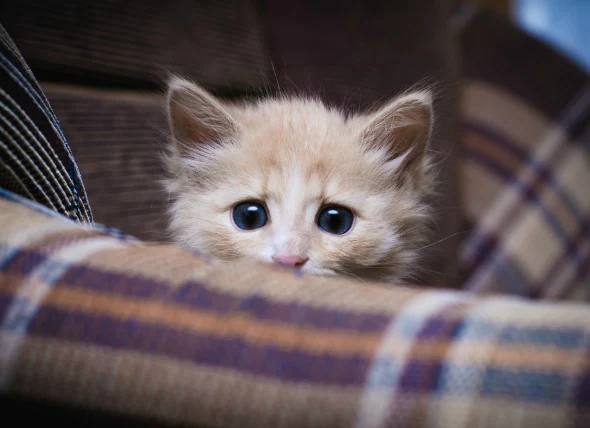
x=296 y=155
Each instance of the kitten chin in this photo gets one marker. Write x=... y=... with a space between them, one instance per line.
x=290 y=181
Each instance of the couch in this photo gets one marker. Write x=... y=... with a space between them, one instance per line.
x=102 y=328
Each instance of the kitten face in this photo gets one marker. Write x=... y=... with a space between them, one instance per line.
x=289 y=181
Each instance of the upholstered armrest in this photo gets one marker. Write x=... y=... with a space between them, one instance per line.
x=116 y=327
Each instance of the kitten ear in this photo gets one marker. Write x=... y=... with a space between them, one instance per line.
x=401 y=130
x=195 y=117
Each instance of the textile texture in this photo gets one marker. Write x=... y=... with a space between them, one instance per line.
x=136 y=44
x=151 y=331
x=36 y=160
x=117 y=139
x=525 y=166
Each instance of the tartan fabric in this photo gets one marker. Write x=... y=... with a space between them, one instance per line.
x=35 y=158
x=92 y=320
x=525 y=166
x=526 y=194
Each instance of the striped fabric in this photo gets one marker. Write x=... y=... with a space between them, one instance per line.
x=150 y=331
x=526 y=166
x=219 y=43
x=35 y=160
x=526 y=193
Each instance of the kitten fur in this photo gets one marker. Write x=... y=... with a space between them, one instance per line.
x=296 y=155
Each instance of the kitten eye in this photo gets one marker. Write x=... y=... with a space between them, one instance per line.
x=335 y=220
x=249 y=215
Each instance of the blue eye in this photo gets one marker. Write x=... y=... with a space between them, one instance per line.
x=249 y=215
x=335 y=220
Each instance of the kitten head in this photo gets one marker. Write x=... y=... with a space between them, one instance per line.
x=290 y=181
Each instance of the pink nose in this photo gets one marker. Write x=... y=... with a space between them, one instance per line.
x=290 y=261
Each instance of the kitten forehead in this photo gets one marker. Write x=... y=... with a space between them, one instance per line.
x=296 y=124
x=301 y=141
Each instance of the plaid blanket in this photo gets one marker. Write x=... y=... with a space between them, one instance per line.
x=526 y=197
x=92 y=319
x=525 y=166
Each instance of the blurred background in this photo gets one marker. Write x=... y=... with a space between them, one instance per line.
x=563 y=24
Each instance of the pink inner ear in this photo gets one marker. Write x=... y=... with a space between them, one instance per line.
x=403 y=129
x=400 y=126
x=188 y=127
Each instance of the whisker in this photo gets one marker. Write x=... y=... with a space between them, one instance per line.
x=444 y=239
x=345 y=272
x=424 y=270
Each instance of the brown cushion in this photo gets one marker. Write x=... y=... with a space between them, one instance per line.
x=116 y=137
x=219 y=43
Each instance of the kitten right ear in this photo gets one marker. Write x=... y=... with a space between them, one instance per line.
x=195 y=117
x=402 y=131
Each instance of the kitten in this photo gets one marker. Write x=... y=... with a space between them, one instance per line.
x=290 y=181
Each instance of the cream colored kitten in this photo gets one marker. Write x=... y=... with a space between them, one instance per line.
x=292 y=182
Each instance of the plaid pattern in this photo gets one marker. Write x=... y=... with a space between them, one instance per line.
x=92 y=320
x=525 y=166
x=525 y=181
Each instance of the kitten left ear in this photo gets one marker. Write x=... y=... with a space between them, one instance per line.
x=401 y=130
x=195 y=117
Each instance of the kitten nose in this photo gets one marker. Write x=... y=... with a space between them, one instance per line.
x=290 y=261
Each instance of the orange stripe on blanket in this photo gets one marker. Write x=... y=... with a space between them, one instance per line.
x=285 y=336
